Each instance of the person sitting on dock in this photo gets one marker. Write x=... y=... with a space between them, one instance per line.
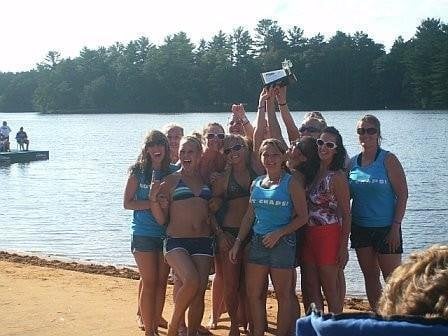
x=22 y=138
x=4 y=137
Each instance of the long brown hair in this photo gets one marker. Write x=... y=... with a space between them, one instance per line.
x=144 y=162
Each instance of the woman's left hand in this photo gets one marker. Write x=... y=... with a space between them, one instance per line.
x=393 y=238
x=343 y=256
x=270 y=239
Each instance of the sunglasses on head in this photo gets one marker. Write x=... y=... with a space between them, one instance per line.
x=369 y=131
x=211 y=136
x=310 y=129
x=328 y=144
x=234 y=148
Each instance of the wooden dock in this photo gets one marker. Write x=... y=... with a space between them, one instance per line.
x=23 y=156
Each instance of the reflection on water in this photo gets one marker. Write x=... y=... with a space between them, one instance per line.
x=71 y=205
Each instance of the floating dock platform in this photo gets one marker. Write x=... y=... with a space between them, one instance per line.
x=23 y=156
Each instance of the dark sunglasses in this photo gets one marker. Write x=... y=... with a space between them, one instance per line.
x=369 y=131
x=211 y=136
x=234 y=148
x=328 y=144
x=309 y=129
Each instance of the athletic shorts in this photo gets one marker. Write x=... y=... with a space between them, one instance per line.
x=146 y=244
x=374 y=237
x=321 y=245
x=192 y=246
x=282 y=255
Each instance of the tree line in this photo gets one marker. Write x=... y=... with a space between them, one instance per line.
x=345 y=72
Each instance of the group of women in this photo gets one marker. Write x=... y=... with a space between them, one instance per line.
x=253 y=207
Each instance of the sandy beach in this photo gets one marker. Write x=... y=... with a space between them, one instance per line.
x=49 y=297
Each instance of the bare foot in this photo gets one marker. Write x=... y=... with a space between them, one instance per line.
x=140 y=324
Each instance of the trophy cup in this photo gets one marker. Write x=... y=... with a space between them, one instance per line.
x=280 y=77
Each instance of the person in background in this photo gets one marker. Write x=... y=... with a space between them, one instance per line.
x=189 y=246
x=152 y=163
x=22 y=138
x=325 y=247
x=5 y=130
x=419 y=286
x=379 y=192
x=277 y=208
x=174 y=133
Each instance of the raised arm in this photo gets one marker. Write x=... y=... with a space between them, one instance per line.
x=240 y=113
x=291 y=128
x=274 y=127
x=260 y=121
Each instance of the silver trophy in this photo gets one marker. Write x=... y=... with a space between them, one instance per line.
x=282 y=77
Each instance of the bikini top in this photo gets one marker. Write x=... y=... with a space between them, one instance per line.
x=183 y=191
x=235 y=190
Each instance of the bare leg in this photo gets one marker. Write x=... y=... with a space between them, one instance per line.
x=256 y=278
x=368 y=261
x=196 y=309
x=282 y=280
x=328 y=275
x=218 y=305
x=388 y=263
x=311 y=285
x=164 y=270
x=186 y=270
x=147 y=263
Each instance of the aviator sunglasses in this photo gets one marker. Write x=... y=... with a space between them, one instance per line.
x=328 y=144
x=369 y=131
x=234 y=148
x=211 y=136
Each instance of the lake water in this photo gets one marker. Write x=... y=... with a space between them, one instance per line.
x=70 y=207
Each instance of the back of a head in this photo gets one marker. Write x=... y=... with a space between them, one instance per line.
x=419 y=286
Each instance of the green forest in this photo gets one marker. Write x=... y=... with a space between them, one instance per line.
x=344 y=72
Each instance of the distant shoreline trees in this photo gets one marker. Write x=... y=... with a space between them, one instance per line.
x=346 y=72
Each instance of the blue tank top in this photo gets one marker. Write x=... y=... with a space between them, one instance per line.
x=273 y=207
x=143 y=221
x=374 y=200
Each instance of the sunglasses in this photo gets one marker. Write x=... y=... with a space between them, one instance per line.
x=369 y=131
x=310 y=129
x=328 y=144
x=234 y=148
x=211 y=136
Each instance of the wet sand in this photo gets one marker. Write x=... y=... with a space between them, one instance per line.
x=51 y=297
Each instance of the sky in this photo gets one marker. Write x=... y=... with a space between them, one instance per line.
x=31 y=28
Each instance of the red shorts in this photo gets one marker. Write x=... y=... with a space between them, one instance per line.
x=321 y=245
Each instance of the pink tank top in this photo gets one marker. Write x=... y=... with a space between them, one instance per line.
x=322 y=203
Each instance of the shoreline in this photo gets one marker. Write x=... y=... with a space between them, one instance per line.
x=351 y=302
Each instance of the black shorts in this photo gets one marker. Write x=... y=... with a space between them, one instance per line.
x=374 y=237
x=146 y=244
x=192 y=246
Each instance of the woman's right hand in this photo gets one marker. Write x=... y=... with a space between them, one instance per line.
x=233 y=253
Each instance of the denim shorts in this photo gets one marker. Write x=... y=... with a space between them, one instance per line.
x=374 y=237
x=146 y=244
x=282 y=255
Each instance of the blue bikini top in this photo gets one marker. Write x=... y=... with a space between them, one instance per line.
x=183 y=191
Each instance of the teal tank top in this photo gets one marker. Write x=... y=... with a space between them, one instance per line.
x=143 y=221
x=374 y=200
x=273 y=207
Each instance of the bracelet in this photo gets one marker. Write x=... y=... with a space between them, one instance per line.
x=282 y=104
x=261 y=107
x=244 y=120
x=238 y=239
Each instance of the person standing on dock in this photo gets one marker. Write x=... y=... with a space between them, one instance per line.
x=4 y=131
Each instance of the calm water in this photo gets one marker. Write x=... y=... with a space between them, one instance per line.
x=71 y=206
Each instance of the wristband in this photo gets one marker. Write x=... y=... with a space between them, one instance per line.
x=244 y=120
x=282 y=104
x=261 y=107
